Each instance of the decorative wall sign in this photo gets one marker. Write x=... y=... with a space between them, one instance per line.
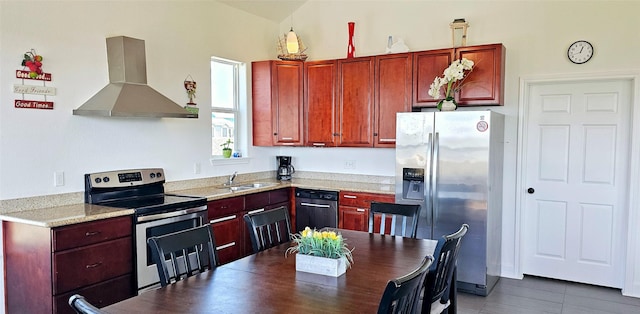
x=33 y=62
x=33 y=104
x=40 y=77
x=34 y=90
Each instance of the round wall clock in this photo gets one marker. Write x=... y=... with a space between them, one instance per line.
x=580 y=52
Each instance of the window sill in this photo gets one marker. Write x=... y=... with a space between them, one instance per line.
x=220 y=161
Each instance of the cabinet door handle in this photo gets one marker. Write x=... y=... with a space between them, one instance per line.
x=92 y=233
x=350 y=196
x=318 y=144
x=256 y=211
x=287 y=144
x=222 y=247
x=214 y=221
x=288 y=138
x=93 y=265
x=360 y=210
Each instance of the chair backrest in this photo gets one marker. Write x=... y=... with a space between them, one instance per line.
x=393 y=210
x=268 y=228
x=402 y=295
x=79 y=304
x=196 y=244
x=438 y=280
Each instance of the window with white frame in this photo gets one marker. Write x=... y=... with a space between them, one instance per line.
x=225 y=79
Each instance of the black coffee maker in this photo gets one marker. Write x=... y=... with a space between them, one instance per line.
x=285 y=169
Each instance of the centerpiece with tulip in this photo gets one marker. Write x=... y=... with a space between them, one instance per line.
x=321 y=252
x=451 y=81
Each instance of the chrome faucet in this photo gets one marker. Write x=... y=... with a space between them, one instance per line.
x=231 y=177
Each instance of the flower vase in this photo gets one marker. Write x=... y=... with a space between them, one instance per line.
x=447 y=104
x=351 y=49
x=321 y=265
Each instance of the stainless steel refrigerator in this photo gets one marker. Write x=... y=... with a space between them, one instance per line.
x=451 y=164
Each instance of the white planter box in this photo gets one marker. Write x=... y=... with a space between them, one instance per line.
x=321 y=265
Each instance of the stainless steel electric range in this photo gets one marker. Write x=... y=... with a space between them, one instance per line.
x=155 y=212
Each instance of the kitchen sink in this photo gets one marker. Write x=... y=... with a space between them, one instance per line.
x=249 y=186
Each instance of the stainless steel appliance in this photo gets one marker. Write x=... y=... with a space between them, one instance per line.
x=155 y=212
x=316 y=209
x=285 y=169
x=451 y=164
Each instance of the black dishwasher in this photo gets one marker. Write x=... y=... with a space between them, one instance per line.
x=316 y=209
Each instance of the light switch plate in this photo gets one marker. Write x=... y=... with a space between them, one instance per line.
x=58 y=178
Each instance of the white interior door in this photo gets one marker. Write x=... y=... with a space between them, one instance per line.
x=576 y=170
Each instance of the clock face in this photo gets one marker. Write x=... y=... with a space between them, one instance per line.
x=580 y=52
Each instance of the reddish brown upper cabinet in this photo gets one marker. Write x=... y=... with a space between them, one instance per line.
x=355 y=102
x=393 y=83
x=319 y=103
x=483 y=86
x=427 y=65
x=277 y=103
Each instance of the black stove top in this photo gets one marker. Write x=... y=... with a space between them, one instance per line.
x=159 y=203
x=138 y=189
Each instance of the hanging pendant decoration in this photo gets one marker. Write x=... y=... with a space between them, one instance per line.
x=190 y=86
x=351 y=49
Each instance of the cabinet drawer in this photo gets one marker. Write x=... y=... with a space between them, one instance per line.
x=363 y=200
x=100 y=295
x=90 y=233
x=279 y=196
x=225 y=206
x=88 y=265
x=256 y=200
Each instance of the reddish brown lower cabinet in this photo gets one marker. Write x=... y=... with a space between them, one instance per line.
x=353 y=209
x=227 y=220
x=45 y=266
x=225 y=217
x=226 y=231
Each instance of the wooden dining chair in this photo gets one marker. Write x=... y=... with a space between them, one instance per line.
x=268 y=228
x=189 y=252
x=402 y=295
x=79 y=304
x=394 y=210
x=437 y=285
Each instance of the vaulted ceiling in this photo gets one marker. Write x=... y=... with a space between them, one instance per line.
x=274 y=10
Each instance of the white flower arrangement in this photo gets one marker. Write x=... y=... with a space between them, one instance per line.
x=454 y=73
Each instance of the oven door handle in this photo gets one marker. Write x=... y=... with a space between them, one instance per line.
x=171 y=214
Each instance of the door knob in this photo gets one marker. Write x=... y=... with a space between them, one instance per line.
x=530 y=190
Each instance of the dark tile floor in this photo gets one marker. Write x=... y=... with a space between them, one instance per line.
x=534 y=295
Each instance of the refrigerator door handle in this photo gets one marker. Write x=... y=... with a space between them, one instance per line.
x=427 y=182
x=434 y=183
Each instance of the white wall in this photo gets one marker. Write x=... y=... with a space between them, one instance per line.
x=180 y=38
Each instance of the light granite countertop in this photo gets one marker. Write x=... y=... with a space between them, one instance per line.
x=51 y=217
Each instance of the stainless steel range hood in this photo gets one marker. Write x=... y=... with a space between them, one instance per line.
x=128 y=94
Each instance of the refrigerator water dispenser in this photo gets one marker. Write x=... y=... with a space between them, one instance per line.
x=413 y=183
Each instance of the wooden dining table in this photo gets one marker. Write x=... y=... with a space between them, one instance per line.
x=267 y=282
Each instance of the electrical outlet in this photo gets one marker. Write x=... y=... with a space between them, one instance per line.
x=350 y=164
x=58 y=178
x=196 y=168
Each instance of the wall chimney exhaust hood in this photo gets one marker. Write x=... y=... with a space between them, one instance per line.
x=127 y=94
